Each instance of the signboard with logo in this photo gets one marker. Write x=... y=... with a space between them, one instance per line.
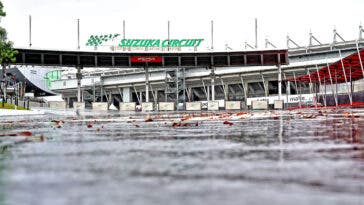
x=114 y=40
x=304 y=98
x=146 y=59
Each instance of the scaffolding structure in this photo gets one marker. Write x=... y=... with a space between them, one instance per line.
x=175 y=86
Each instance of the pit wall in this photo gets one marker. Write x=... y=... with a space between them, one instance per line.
x=257 y=103
x=164 y=106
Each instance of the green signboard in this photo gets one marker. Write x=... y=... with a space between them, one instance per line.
x=52 y=76
x=98 y=40
x=160 y=43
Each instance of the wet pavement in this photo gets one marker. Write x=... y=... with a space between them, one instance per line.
x=314 y=157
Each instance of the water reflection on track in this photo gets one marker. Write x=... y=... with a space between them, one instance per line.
x=174 y=159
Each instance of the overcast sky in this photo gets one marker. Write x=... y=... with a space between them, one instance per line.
x=54 y=21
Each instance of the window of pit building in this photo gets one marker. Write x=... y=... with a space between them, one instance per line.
x=273 y=87
x=235 y=92
x=256 y=89
x=301 y=88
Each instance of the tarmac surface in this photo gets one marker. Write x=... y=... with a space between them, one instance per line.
x=270 y=157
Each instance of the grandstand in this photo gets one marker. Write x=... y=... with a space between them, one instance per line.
x=320 y=74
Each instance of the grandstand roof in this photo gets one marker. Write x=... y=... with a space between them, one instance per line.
x=352 y=70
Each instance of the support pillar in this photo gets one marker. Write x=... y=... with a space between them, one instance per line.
x=156 y=96
x=265 y=86
x=110 y=98
x=189 y=94
x=225 y=89
x=212 y=84
x=68 y=102
x=325 y=93
x=288 y=92
x=146 y=84
x=297 y=90
x=94 y=92
x=331 y=83
x=79 y=77
x=288 y=88
x=320 y=86
x=226 y=92
x=245 y=86
x=204 y=89
x=359 y=56
x=246 y=90
x=101 y=93
x=121 y=94
x=348 y=87
x=4 y=84
x=279 y=81
x=136 y=93
x=127 y=96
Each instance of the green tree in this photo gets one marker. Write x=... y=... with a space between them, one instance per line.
x=7 y=53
